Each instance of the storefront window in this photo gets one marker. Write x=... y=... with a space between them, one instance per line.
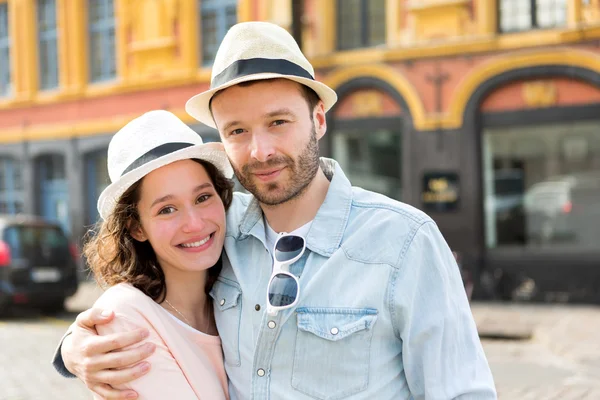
x=371 y=159
x=542 y=186
x=53 y=189
x=11 y=186
x=97 y=180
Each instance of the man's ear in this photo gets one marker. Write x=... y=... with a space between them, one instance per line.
x=320 y=120
x=136 y=231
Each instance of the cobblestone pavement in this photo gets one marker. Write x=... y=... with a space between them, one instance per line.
x=561 y=360
x=27 y=342
x=556 y=354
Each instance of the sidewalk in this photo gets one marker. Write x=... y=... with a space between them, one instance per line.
x=542 y=352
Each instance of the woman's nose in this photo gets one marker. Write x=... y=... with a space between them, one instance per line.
x=193 y=220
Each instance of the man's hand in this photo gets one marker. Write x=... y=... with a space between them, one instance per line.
x=100 y=361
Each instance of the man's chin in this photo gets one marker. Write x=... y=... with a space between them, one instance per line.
x=271 y=197
x=270 y=194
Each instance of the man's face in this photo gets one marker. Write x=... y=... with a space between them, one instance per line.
x=270 y=136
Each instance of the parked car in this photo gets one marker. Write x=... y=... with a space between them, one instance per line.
x=38 y=265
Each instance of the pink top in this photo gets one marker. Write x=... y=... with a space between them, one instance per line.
x=187 y=364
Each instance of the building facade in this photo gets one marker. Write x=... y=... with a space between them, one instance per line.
x=483 y=113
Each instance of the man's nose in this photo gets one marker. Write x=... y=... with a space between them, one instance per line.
x=262 y=146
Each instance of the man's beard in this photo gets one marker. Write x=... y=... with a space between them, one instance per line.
x=302 y=171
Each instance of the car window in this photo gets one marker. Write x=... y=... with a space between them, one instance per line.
x=26 y=238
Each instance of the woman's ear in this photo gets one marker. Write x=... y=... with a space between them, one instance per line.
x=136 y=231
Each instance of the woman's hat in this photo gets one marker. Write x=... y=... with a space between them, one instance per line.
x=252 y=51
x=149 y=142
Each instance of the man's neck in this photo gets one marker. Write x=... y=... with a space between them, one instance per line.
x=293 y=214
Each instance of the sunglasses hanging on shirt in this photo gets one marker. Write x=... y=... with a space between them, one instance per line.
x=284 y=289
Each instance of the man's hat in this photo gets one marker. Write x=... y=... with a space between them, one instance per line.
x=257 y=50
x=149 y=142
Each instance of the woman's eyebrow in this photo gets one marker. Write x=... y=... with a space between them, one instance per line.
x=170 y=196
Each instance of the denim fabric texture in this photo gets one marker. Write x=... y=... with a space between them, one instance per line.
x=382 y=312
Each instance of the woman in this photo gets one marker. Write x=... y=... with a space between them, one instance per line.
x=158 y=247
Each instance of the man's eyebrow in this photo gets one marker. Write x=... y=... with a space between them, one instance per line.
x=170 y=196
x=230 y=124
x=275 y=113
x=278 y=113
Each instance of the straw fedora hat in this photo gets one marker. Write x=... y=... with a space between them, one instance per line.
x=149 y=142
x=252 y=51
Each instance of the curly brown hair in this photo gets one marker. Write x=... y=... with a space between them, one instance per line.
x=114 y=256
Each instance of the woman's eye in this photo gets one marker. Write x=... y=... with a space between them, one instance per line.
x=166 y=210
x=203 y=198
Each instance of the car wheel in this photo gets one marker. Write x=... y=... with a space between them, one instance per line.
x=53 y=307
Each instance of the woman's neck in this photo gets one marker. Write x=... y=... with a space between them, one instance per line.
x=187 y=300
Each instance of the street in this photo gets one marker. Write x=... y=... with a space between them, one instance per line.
x=545 y=352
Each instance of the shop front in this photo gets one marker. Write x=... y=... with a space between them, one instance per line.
x=366 y=135
x=536 y=133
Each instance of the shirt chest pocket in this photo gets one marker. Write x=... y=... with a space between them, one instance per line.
x=228 y=312
x=333 y=341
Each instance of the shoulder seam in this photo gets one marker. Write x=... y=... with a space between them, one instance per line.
x=397 y=210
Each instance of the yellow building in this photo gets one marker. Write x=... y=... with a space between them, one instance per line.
x=484 y=113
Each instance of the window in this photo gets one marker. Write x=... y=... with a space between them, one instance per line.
x=11 y=186
x=216 y=17
x=542 y=185
x=48 y=42
x=360 y=23
x=4 y=51
x=370 y=152
x=97 y=180
x=101 y=17
x=27 y=240
x=523 y=15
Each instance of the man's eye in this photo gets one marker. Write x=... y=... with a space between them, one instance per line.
x=166 y=210
x=236 y=132
x=279 y=122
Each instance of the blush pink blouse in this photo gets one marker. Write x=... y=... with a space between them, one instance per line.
x=187 y=364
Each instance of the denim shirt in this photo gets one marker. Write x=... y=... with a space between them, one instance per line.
x=382 y=312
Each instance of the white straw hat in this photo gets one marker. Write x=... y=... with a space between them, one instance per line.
x=252 y=51
x=149 y=142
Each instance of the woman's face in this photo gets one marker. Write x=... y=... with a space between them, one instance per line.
x=182 y=216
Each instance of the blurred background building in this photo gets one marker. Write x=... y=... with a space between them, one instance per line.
x=483 y=113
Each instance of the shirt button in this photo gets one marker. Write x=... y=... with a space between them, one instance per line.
x=257 y=307
x=260 y=372
x=335 y=331
x=222 y=302
x=272 y=324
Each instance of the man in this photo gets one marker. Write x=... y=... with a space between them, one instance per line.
x=379 y=311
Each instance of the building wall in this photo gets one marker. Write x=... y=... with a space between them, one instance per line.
x=423 y=96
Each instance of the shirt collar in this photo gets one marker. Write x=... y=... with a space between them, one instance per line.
x=327 y=229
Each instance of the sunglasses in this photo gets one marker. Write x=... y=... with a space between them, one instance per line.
x=284 y=288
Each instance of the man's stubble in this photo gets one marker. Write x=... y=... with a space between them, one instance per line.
x=301 y=173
